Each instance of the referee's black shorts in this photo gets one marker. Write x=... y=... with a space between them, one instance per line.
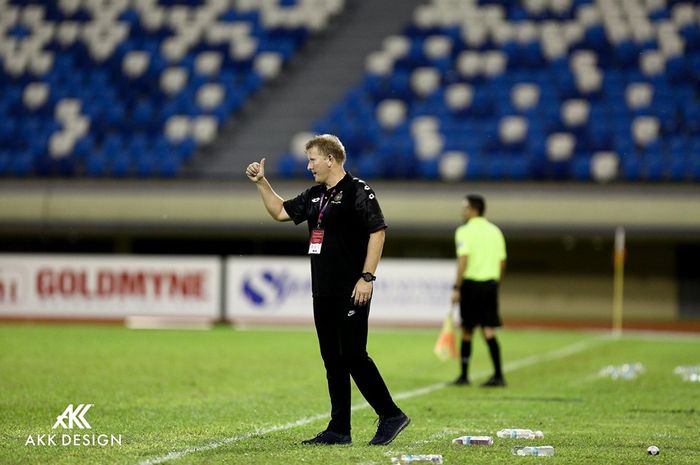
x=478 y=305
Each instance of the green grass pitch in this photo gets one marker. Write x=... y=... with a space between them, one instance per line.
x=250 y=396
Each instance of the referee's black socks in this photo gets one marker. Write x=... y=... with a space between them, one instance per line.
x=495 y=351
x=466 y=350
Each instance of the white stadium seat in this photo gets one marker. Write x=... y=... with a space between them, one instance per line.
x=560 y=7
x=645 y=130
x=453 y=166
x=67 y=108
x=173 y=80
x=297 y=146
x=77 y=126
x=243 y=49
x=152 y=19
x=210 y=96
x=459 y=96
x=425 y=17
x=177 y=128
x=502 y=32
x=425 y=81
x=436 y=47
x=589 y=80
x=526 y=31
x=494 y=63
x=683 y=14
x=41 y=63
x=204 y=129
x=429 y=145
x=391 y=113
x=652 y=63
x=208 y=63
x=560 y=146
x=69 y=7
x=604 y=166
x=379 y=63
x=535 y=7
x=639 y=95
x=61 y=144
x=423 y=125
x=525 y=96
x=135 y=63
x=512 y=129
x=173 y=49
x=469 y=64
x=573 y=33
x=67 y=33
x=582 y=60
x=35 y=95
x=588 y=15
x=268 y=64
x=396 y=46
x=474 y=35
x=575 y=112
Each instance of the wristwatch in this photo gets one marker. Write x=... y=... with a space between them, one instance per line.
x=369 y=277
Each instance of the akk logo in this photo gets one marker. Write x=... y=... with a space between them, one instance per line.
x=75 y=416
x=72 y=417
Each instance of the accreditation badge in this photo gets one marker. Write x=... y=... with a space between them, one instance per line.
x=316 y=241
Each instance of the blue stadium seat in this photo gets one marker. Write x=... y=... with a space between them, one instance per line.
x=582 y=168
x=120 y=101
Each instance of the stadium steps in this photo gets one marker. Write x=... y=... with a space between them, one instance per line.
x=333 y=62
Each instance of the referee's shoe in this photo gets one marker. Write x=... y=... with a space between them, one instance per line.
x=389 y=428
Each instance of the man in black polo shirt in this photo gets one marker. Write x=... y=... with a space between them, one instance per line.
x=346 y=238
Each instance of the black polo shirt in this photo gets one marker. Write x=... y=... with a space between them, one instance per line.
x=352 y=214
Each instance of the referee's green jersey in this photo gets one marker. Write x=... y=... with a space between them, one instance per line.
x=483 y=244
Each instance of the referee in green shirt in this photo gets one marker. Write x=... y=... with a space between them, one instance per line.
x=481 y=262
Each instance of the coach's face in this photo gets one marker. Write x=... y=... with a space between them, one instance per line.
x=319 y=164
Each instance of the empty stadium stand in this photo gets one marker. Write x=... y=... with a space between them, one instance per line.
x=132 y=88
x=565 y=90
x=580 y=90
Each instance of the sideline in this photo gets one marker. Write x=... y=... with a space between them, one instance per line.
x=508 y=367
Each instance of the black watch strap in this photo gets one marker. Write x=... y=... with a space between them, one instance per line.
x=369 y=277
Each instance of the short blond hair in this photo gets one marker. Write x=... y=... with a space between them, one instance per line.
x=328 y=144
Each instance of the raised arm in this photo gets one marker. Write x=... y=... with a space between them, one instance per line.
x=273 y=202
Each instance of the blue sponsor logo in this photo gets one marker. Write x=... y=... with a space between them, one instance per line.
x=265 y=288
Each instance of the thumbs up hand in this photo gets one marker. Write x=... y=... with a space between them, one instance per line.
x=256 y=170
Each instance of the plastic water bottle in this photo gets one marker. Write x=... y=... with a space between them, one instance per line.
x=473 y=440
x=407 y=459
x=539 y=451
x=519 y=433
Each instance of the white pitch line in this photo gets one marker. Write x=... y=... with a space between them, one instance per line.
x=511 y=366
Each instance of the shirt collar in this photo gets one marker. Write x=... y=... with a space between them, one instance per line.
x=340 y=184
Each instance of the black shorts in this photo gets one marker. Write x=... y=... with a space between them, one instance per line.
x=478 y=305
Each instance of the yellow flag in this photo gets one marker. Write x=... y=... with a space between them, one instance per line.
x=445 y=346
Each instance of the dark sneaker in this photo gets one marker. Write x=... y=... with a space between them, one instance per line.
x=328 y=438
x=494 y=381
x=461 y=381
x=389 y=428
